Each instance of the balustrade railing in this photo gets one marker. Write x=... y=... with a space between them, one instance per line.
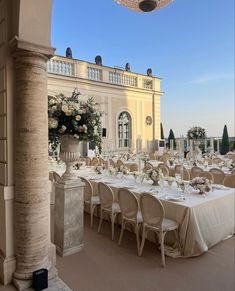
x=122 y=79
x=80 y=69
x=148 y=84
x=60 y=67
x=94 y=74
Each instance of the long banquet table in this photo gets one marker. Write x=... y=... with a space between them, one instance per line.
x=204 y=221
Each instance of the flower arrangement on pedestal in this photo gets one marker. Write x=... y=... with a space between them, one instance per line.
x=75 y=117
x=202 y=184
x=196 y=132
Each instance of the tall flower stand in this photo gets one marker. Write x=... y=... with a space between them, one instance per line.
x=69 y=200
x=68 y=234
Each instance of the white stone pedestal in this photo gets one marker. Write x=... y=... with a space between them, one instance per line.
x=69 y=201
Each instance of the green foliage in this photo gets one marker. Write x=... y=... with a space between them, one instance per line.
x=225 y=141
x=162 y=132
x=171 y=136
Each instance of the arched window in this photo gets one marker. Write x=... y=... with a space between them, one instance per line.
x=124 y=129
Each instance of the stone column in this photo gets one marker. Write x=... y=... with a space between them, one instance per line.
x=31 y=166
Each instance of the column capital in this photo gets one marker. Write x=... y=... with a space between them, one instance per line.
x=19 y=46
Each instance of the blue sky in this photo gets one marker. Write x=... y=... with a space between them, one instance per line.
x=190 y=44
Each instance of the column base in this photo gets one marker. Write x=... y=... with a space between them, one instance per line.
x=53 y=285
x=22 y=285
x=66 y=252
x=7 y=268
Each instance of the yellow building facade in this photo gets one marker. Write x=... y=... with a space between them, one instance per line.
x=130 y=102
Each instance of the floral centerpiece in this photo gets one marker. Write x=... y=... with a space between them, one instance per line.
x=202 y=184
x=196 y=132
x=155 y=175
x=75 y=117
x=124 y=170
x=98 y=169
x=113 y=171
x=181 y=184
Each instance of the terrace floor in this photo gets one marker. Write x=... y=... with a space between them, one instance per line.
x=104 y=266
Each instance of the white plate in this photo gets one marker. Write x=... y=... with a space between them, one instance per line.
x=219 y=187
x=177 y=198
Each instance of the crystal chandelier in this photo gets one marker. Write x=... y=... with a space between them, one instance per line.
x=144 y=5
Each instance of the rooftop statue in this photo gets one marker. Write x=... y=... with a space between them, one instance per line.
x=149 y=72
x=98 y=60
x=128 y=67
x=69 y=53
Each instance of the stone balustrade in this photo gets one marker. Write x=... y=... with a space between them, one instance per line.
x=91 y=72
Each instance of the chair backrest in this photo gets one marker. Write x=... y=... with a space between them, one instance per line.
x=218 y=175
x=120 y=163
x=147 y=167
x=128 y=203
x=216 y=161
x=207 y=175
x=195 y=171
x=88 y=189
x=165 y=169
x=104 y=163
x=82 y=159
x=94 y=161
x=152 y=210
x=209 y=161
x=106 y=195
x=163 y=159
x=186 y=174
x=133 y=167
x=231 y=156
x=88 y=161
x=188 y=156
x=229 y=181
x=152 y=156
x=177 y=169
x=112 y=163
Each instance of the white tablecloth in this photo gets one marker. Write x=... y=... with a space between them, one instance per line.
x=204 y=221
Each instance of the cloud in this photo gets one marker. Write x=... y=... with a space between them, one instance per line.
x=211 y=77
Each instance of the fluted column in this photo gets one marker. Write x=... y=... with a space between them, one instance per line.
x=31 y=164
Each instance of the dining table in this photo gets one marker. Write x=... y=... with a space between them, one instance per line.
x=204 y=220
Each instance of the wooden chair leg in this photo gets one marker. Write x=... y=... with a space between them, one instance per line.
x=143 y=241
x=91 y=215
x=161 y=237
x=101 y=219
x=112 y=224
x=137 y=237
x=122 y=231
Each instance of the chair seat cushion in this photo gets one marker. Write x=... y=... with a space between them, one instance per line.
x=169 y=224
x=139 y=217
x=116 y=208
x=95 y=200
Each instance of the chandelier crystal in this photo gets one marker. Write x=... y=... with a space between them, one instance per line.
x=144 y=5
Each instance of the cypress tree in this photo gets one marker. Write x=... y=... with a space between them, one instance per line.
x=225 y=141
x=171 y=136
x=162 y=132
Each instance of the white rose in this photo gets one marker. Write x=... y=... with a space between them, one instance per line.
x=64 y=108
x=52 y=123
x=52 y=101
x=78 y=117
x=68 y=113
